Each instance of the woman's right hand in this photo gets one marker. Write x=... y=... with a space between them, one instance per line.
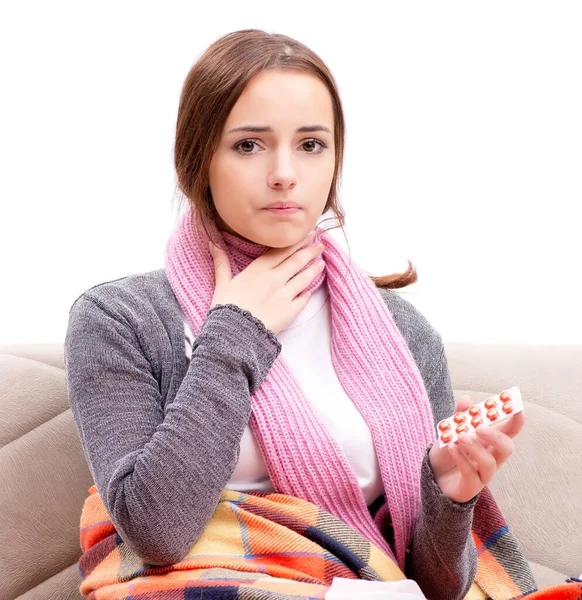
x=271 y=287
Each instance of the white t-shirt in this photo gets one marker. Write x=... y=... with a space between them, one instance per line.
x=306 y=349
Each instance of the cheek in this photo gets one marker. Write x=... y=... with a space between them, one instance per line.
x=322 y=180
x=242 y=173
x=228 y=181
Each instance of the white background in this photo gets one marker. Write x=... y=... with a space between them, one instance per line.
x=464 y=150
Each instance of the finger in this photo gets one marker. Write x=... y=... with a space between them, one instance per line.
x=275 y=256
x=484 y=440
x=462 y=449
x=463 y=403
x=300 y=302
x=299 y=262
x=465 y=466
x=512 y=426
x=222 y=270
x=302 y=280
x=485 y=444
x=484 y=460
x=501 y=445
x=473 y=462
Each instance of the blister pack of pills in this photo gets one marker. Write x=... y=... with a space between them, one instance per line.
x=489 y=412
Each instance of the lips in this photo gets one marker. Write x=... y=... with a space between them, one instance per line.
x=283 y=211
x=282 y=205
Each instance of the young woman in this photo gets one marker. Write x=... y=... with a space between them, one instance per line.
x=261 y=358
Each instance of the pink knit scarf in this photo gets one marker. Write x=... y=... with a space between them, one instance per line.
x=373 y=364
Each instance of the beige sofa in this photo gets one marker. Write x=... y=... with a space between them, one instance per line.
x=44 y=478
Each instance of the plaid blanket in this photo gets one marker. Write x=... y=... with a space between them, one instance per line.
x=277 y=547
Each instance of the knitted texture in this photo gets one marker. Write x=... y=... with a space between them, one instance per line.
x=373 y=364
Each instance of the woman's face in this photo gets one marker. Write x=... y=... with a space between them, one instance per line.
x=252 y=169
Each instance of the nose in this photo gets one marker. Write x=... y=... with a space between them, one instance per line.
x=282 y=174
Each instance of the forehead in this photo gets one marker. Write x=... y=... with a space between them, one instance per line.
x=275 y=97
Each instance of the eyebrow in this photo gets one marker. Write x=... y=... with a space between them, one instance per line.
x=260 y=129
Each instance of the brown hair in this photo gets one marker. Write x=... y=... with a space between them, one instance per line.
x=211 y=89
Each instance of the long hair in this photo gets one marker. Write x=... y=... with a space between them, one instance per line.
x=211 y=89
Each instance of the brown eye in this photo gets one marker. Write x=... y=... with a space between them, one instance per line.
x=246 y=145
x=312 y=149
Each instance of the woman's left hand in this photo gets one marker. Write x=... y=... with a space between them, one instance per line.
x=462 y=470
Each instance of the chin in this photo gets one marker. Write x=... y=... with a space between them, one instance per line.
x=281 y=239
x=274 y=235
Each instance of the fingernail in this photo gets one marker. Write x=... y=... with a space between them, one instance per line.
x=483 y=430
x=464 y=438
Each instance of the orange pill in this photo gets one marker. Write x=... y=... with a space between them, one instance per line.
x=446 y=437
x=492 y=414
x=476 y=421
x=505 y=396
x=490 y=403
x=508 y=407
x=474 y=411
x=444 y=425
x=459 y=418
x=461 y=427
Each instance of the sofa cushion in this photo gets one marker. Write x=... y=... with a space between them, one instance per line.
x=32 y=393
x=62 y=586
x=45 y=477
x=546 y=577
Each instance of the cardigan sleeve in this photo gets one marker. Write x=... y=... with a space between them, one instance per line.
x=160 y=472
x=442 y=557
